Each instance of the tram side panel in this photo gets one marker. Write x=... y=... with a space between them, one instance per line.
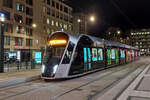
x=97 y=58
x=112 y=56
x=122 y=56
x=87 y=59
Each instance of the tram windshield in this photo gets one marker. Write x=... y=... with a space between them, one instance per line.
x=52 y=53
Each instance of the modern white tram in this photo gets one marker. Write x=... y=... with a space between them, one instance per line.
x=69 y=55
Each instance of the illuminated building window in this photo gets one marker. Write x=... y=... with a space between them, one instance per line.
x=8 y=28
x=37 y=41
x=18 y=41
x=48 y=21
x=57 y=24
x=28 y=31
x=53 y=23
x=44 y=9
x=60 y=24
x=65 y=26
x=7 y=40
x=18 y=29
x=20 y=7
x=70 y=27
x=48 y=31
x=28 y=42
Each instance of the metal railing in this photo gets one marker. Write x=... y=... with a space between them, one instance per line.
x=18 y=65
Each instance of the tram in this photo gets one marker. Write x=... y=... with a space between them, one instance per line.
x=69 y=55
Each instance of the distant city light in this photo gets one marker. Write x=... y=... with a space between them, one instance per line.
x=2 y=17
x=62 y=29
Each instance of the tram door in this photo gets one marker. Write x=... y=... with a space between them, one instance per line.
x=87 y=59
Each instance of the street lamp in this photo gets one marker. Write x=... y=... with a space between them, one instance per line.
x=92 y=18
x=118 y=32
x=34 y=25
x=79 y=20
x=2 y=26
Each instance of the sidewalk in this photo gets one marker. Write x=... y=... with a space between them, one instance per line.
x=17 y=77
x=135 y=86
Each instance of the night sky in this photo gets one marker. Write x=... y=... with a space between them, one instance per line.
x=125 y=14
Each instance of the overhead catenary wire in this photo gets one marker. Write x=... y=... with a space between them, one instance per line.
x=120 y=10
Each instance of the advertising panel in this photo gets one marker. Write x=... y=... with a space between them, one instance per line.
x=38 y=57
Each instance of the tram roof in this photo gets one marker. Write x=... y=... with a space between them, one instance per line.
x=76 y=37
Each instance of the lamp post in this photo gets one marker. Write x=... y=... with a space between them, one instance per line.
x=86 y=21
x=31 y=59
x=2 y=26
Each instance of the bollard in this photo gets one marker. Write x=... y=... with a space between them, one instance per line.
x=20 y=64
x=8 y=67
x=26 y=64
x=32 y=64
x=17 y=65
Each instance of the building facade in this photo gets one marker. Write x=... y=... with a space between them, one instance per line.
x=29 y=23
x=141 y=39
x=116 y=34
x=79 y=23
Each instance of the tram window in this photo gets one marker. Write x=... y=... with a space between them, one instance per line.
x=113 y=54
x=94 y=54
x=117 y=56
x=122 y=54
x=53 y=52
x=108 y=56
x=68 y=53
x=133 y=53
x=100 y=54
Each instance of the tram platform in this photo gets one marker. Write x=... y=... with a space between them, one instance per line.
x=17 y=77
x=133 y=87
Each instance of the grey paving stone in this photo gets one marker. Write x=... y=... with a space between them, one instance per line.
x=148 y=72
x=145 y=84
x=138 y=98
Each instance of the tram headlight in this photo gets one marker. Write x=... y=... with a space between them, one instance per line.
x=55 y=68
x=43 y=68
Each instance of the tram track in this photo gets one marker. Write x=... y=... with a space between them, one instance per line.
x=100 y=78
x=106 y=72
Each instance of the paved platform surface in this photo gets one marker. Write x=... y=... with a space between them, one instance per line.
x=17 y=77
x=137 y=89
x=126 y=82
